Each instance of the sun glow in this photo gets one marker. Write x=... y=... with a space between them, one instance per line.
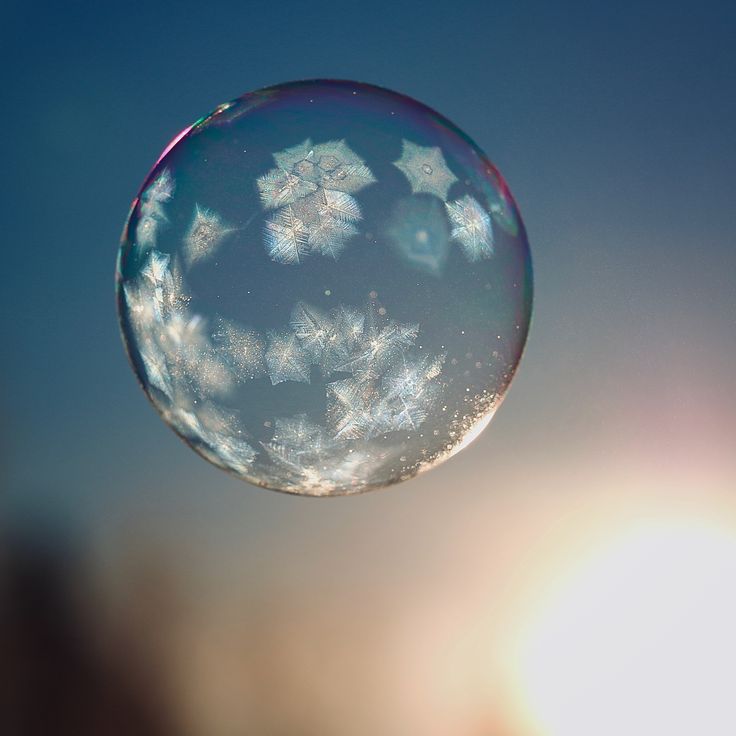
x=639 y=639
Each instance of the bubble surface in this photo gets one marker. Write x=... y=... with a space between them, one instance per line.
x=324 y=287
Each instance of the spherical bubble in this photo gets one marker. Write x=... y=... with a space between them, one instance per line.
x=324 y=287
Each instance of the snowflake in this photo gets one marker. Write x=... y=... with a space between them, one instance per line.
x=310 y=191
x=425 y=168
x=286 y=359
x=471 y=227
x=286 y=237
x=349 y=323
x=408 y=380
x=206 y=233
x=364 y=407
x=156 y=268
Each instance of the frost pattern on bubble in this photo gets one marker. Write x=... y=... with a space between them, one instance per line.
x=205 y=235
x=181 y=362
x=390 y=388
x=241 y=348
x=316 y=461
x=311 y=190
x=426 y=169
x=152 y=215
x=285 y=358
x=222 y=438
x=471 y=227
x=371 y=404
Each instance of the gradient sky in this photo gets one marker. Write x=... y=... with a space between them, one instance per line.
x=615 y=127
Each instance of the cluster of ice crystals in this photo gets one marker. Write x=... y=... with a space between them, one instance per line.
x=313 y=460
x=471 y=227
x=151 y=209
x=381 y=385
x=184 y=365
x=367 y=405
x=311 y=190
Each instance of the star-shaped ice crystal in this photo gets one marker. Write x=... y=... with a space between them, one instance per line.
x=426 y=169
x=471 y=227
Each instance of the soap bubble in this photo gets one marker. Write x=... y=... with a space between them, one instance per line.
x=324 y=287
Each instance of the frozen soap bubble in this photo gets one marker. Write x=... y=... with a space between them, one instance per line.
x=324 y=287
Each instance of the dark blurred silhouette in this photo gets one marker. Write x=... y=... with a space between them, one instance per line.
x=54 y=678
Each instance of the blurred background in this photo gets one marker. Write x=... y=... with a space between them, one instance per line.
x=571 y=573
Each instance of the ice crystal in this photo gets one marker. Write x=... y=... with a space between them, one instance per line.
x=151 y=213
x=425 y=168
x=285 y=358
x=161 y=189
x=286 y=237
x=205 y=235
x=471 y=227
